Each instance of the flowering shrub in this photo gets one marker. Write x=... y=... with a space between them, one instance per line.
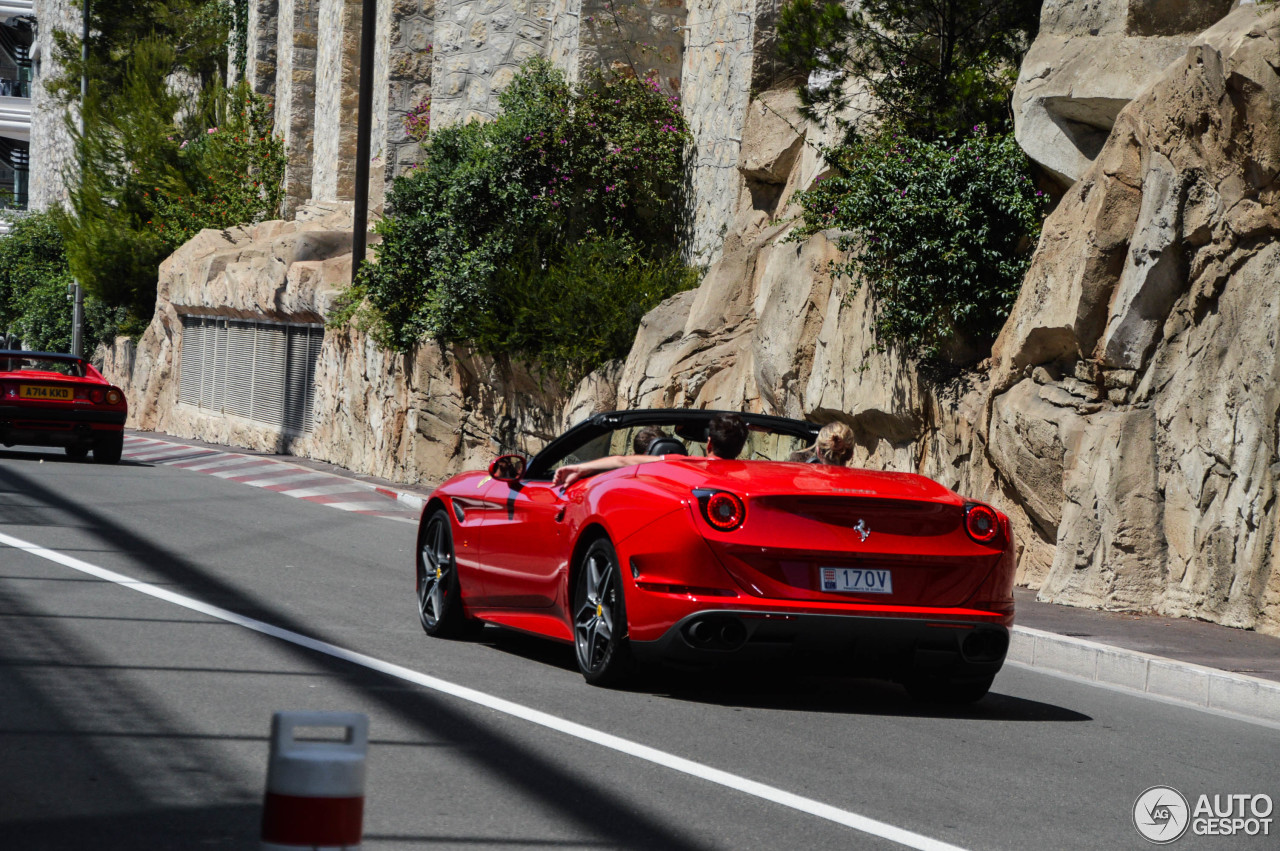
x=557 y=167
x=231 y=173
x=942 y=232
x=417 y=121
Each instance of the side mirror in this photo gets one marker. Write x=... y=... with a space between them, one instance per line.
x=507 y=468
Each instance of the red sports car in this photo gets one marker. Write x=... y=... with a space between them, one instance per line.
x=701 y=560
x=49 y=399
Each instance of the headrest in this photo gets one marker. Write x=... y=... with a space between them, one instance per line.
x=667 y=446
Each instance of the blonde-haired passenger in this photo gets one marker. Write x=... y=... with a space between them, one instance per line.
x=834 y=446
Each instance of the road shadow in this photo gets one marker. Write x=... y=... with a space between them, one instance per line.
x=782 y=686
x=154 y=828
x=574 y=798
x=775 y=687
x=52 y=455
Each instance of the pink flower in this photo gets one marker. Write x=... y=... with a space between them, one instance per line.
x=212 y=130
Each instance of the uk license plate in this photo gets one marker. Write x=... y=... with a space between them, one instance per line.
x=857 y=580
x=36 y=391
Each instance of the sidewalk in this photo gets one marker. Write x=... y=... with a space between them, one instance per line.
x=1186 y=661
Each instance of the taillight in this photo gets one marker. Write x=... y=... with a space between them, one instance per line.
x=113 y=396
x=981 y=522
x=95 y=396
x=723 y=510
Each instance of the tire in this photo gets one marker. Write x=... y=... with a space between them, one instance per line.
x=600 y=618
x=77 y=453
x=108 y=449
x=439 y=592
x=949 y=691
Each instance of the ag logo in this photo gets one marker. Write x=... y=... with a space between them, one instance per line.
x=1161 y=815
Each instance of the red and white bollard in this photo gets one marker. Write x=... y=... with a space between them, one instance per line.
x=315 y=789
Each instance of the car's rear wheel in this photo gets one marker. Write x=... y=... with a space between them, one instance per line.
x=600 y=617
x=77 y=453
x=108 y=449
x=439 y=592
x=954 y=691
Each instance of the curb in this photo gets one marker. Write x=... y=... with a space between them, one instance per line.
x=1183 y=682
x=410 y=499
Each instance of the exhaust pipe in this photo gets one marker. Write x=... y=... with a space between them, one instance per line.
x=721 y=633
x=701 y=633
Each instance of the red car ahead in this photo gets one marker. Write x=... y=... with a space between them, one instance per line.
x=49 y=399
x=698 y=560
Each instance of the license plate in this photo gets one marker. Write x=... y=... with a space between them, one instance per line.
x=35 y=391
x=857 y=580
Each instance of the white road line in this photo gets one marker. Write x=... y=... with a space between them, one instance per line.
x=280 y=480
x=155 y=454
x=327 y=490
x=368 y=505
x=213 y=465
x=507 y=707
x=226 y=474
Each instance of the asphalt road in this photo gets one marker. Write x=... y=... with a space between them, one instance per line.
x=137 y=715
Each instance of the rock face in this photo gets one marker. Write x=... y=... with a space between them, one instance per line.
x=1148 y=321
x=1088 y=61
x=416 y=418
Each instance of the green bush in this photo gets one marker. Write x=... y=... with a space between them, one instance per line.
x=506 y=200
x=35 y=306
x=942 y=232
x=230 y=172
x=581 y=310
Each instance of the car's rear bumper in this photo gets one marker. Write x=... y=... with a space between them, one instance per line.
x=56 y=426
x=896 y=646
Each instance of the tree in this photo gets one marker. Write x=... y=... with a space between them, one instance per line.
x=933 y=67
x=34 y=280
x=153 y=167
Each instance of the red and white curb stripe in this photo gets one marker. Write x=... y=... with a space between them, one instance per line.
x=279 y=476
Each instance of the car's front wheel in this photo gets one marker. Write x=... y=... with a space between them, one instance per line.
x=439 y=592
x=600 y=617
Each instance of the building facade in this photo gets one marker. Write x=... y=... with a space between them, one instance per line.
x=17 y=41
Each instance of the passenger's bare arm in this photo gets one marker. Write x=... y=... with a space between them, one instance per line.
x=570 y=473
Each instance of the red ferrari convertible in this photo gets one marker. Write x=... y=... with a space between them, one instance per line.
x=51 y=399
x=702 y=561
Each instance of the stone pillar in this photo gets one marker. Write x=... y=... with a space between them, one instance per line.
x=717 y=77
x=478 y=49
x=260 y=49
x=296 y=96
x=52 y=150
x=404 y=82
x=337 y=97
x=636 y=38
x=563 y=46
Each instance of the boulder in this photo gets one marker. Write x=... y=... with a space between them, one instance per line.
x=1087 y=62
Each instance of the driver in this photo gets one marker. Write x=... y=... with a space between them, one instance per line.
x=726 y=435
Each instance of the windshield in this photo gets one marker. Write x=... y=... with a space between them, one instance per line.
x=763 y=444
x=69 y=367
